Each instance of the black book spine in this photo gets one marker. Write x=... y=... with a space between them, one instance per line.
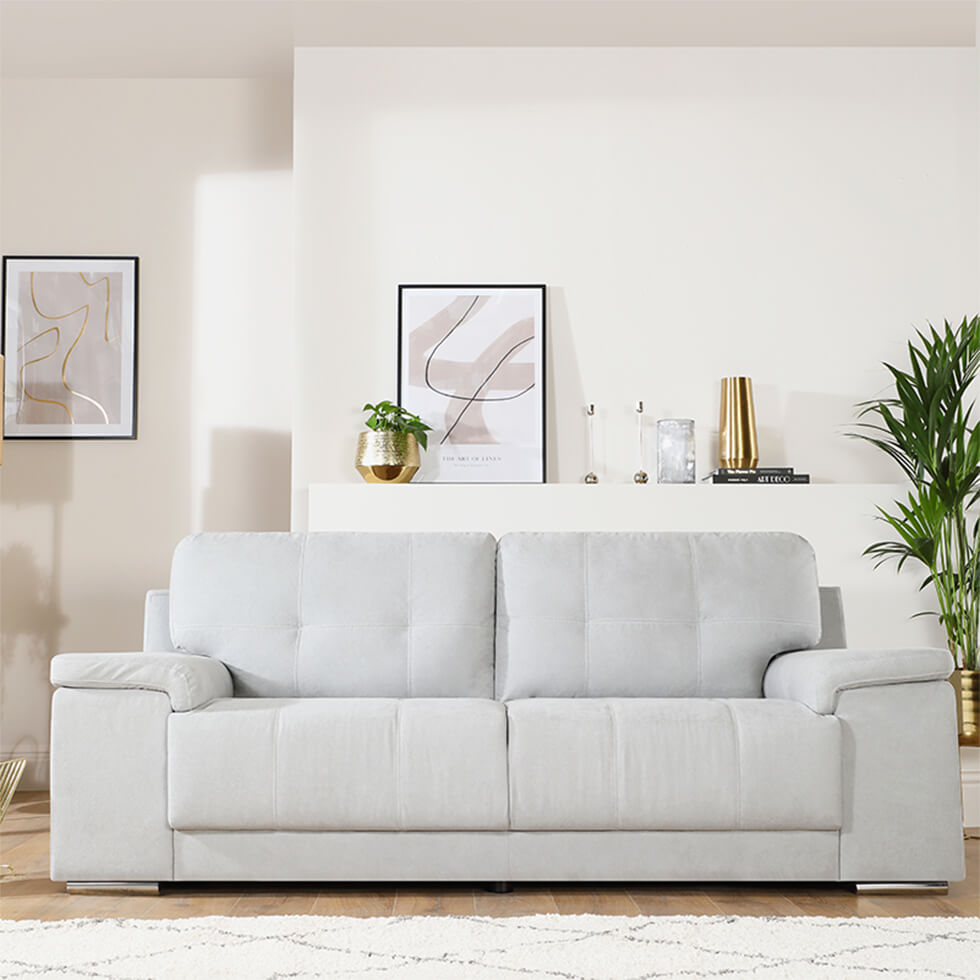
x=759 y=470
x=761 y=478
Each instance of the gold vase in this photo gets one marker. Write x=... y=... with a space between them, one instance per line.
x=737 y=446
x=387 y=457
x=966 y=683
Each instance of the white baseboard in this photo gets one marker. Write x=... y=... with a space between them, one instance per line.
x=36 y=775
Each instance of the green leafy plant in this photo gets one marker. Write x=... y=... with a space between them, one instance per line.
x=927 y=428
x=388 y=417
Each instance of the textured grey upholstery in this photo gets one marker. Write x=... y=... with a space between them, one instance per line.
x=902 y=816
x=597 y=855
x=650 y=614
x=187 y=680
x=109 y=786
x=672 y=764
x=630 y=740
x=156 y=621
x=339 y=615
x=339 y=764
x=685 y=855
x=833 y=635
x=816 y=678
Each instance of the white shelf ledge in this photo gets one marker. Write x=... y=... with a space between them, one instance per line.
x=603 y=507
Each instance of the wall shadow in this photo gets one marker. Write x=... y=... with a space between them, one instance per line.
x=561 y=363
x=250 y=481
x=37 y=481
x=816 y=426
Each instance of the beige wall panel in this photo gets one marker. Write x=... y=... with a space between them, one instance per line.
x=193 y=176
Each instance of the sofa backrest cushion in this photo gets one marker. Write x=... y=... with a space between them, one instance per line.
x=339 y=614
x=650 y=614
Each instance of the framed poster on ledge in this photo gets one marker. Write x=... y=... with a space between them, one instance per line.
x=68 y=336
x=471 y=365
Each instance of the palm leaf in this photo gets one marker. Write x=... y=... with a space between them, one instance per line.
x=925 y=424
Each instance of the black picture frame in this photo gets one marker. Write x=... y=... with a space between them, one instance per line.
x=102 y=362
x=497 y=345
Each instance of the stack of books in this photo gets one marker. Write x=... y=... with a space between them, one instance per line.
x=761 y=474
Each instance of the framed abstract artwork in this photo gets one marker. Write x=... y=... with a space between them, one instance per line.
x=68 y=337
x=471 y=365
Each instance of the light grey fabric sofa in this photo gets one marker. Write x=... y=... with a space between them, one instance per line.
x=602 y=706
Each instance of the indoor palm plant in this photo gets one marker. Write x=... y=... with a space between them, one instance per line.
x=928 y=429
x=389 y=452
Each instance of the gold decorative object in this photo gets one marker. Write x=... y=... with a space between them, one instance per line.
x=387 y=457
x=966 y=683
x=737 y=445
x=10 y=773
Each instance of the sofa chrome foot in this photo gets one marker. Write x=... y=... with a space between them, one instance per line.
x=901 y=887
x=500 y=887
x=112 y=887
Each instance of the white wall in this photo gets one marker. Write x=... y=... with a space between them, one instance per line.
x=790 y=214
x=193 y=177
x=787 y=214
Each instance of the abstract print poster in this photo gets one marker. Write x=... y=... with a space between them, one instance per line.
x=69 y=342
x=471 y=365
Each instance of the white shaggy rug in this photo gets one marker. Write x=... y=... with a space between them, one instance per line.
x=565 y=947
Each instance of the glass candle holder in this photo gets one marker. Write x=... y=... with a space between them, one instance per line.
x=591 y=476
x=640 y=476
x=675 y=451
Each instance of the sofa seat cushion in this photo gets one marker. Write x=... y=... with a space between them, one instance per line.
x=339 y=764
x=672 y=764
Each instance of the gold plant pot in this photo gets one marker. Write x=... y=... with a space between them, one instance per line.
x=966 y=683
x=387 y=457
x=737 y=445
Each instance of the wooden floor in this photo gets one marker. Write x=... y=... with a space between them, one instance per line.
x=28 y=894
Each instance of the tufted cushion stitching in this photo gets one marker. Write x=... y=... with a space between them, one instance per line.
x=617 y=764
x=381 y=626
x=696 y=585
x=752 y=620
x=424 y=645
x=733 y=715
x=299 y=615
x=399 y=792
x=276 y=734
x=587 y=635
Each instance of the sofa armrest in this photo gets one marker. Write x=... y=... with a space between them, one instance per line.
x=817 y=677
x=188 y=680
x=156 y=622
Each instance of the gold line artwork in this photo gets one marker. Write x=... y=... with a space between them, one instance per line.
x=64 y=364
x=27 y=364
x=104 y=279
